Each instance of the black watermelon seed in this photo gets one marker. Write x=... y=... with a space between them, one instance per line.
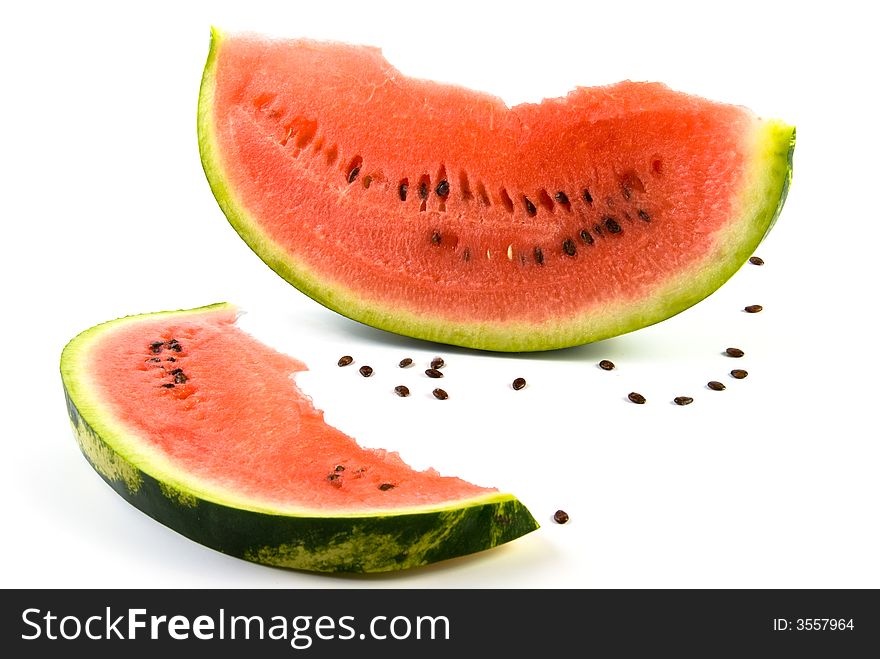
x=598 y=229
x=170 y=359
x=734 y=352
x=756 y=260
x=612 y=225
x=339 y=468
x=406 y=361
x=401 y=390
x=180 y=378
x=168 y=385
x=561 y=197
x=753 y=308
x=154 y=359
x=539 y=256
x=353 y=174
x=440 y=394
x=682 y=400
x=518 y=384
x=644 y=215
x=438 y=362
x=386 y=486
x=530 y=207
x=587 y=196
x=402 y=190
x=560 y=517
x=606 y=365
x=156 y=350
x=739 y=374
x=176 y=371
x=345 y=360
x=586 y=237
x=366 y=371
x=442 y=188
x=436 y=238
x=569 y=247
x=423 y=190
x=433 y=373
x=636 y=398
x=333 y=477
x=466 y=254
x=175 y=347
x=714 y=385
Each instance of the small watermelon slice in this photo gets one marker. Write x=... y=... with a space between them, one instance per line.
x=439 y=212
x=202 y=427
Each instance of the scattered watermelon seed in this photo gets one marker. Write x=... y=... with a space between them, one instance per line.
x=436 y=238
x=176 y=371
x=442 y=189
x=612 y=225
x=170 y=359
x=682 y=400
x=333 y=477
x=734 y=352
x=569 y=247
x=466 y=254
x=167 y=385
x=644 y=215
x=606 y=365
x=756 y=260
x=753 y=308
x=401 y=390
x=560 y=517
x=636 y=398
x=406 y=361
x=339 y=468
x=180 y=378
x=440 y=394
x=345 y=360
x=423 y=189
x=530 y=207
x=539 y=256
x=518 y=384
x=366 y=371
x=586 y=237
x=175 y=347
x=386 y=486
x=154 y=359
x=588 y=197
x=353 y=174
x=562 y=198
x=402 y=190
x=433 y=373
x=438 y=362
x=714 y=385
x=739 y=374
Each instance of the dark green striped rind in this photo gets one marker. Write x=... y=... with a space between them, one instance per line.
x=370 y=543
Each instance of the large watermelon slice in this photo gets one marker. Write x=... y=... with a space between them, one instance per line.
x=201 y=426
x=439 y=212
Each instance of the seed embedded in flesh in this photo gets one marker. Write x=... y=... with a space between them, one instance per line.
x=175 y=347
x=612 y=225
x=569 y=247
x=586 y=237
x=438 y=362
x=714 y=385
x=539 y=256
x=753 y=308
x=739 y=374
x=180 y=378
x=345 y=360
x=588 y=197
x=423 y=190
x=561 y=197
x=386 y=486
x=402 y=190
x=433 y=373
x=518 y=384
x=643 y=214
x=406 y=361
x=170 y=359
x=560 y=517
x=366 y=371
x=734 y=352
x=167 y=385
x=756 y=260
x=682 y=400
x=339 y=468
x=636 y=398
x=530 y=207
x=401 y=390
x=154 y=359
x=436 y=238
x=440 y=394
x=442 y=188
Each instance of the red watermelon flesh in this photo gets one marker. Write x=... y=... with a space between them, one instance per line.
x=439 y=212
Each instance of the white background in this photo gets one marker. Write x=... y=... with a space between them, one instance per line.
x=771 y=483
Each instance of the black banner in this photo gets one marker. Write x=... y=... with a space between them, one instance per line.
x=434 y=623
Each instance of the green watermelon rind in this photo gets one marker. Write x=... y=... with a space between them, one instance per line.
x=762 y=194
x=354 y=541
